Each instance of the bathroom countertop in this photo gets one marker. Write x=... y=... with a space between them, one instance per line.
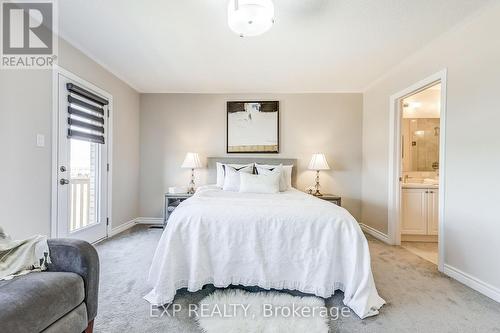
x=420 y=185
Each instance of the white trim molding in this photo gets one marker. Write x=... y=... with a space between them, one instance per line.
x=473 y=282
x=149 y=220
x=122 y=227
x=394 y=190
x=375 y=233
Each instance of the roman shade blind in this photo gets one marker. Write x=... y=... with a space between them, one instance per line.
x=86 y=114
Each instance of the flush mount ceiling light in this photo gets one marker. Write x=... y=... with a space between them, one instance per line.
x=250 y=17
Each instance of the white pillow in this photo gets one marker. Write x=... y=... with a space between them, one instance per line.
x=221 y=174
x=232 y=177
x=269 y=183
x=286 y=174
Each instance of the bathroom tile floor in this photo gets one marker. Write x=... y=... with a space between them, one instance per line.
x=425 y=250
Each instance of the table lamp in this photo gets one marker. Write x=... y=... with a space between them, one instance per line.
x=318 y=162
x=191 y=161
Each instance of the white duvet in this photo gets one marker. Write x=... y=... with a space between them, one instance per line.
x=288 y=240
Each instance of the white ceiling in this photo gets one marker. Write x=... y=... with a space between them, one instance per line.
x=315 y=45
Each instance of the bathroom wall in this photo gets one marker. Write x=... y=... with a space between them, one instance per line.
x=420 y=146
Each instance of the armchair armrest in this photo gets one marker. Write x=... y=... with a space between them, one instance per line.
x=77 y=256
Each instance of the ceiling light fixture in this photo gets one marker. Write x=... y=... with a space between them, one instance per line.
x=412 y=105
x=250 y=17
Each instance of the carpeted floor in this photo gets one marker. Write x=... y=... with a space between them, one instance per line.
x=419 y=299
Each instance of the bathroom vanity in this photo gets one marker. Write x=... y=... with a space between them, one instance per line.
x=420 y=213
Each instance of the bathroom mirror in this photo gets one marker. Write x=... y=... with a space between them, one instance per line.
x=420 y=142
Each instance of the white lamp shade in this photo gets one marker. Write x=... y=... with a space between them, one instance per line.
x=250 y=17
x=192 y=161
x=318 y=162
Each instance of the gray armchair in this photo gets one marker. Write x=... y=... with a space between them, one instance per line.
x=61 y=299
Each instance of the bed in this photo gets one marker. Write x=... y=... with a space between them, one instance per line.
x=285 y=241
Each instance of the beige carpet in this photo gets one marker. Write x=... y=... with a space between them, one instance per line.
x=419 y=299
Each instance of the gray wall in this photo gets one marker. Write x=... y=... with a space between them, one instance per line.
x=173 y=124
x=25 y=170
x=471 y=53
x=125 y=162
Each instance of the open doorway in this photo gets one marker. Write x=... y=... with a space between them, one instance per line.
x=420 y=135
x=416 y=188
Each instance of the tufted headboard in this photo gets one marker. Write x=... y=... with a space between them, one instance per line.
x=212 y=169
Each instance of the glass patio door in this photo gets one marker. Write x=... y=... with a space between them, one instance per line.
x=82 y=163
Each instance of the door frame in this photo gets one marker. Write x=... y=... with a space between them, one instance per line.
x=56 y=70
x=395 y=168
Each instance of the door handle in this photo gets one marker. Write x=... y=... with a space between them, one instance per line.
x=64 y=181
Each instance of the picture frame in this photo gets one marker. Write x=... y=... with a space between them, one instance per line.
x=252 y=127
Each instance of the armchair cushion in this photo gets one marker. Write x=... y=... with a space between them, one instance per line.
x=77 y=256
x=75 y=321
x=32 y=302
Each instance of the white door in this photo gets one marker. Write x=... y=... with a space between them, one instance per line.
x=433 y=211
x=82 y=165
x=414 y=212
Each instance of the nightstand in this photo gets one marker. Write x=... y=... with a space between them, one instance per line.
x=171 y=201
x=335 y=199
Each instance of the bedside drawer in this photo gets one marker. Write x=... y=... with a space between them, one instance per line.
x=171 y=201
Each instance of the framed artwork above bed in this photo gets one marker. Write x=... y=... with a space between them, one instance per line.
x=253 y=127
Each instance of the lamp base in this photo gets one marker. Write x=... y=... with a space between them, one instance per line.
x=191 y=188
x=317 y=186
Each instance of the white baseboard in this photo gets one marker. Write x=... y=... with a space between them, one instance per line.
x=375 y=233
x=149 y=220
x=122 y=227
x=472 y=282
x=131 y=223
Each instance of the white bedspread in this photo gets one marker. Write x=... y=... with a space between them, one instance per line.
x=288 y=240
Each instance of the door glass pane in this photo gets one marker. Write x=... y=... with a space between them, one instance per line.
x=84 y=162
